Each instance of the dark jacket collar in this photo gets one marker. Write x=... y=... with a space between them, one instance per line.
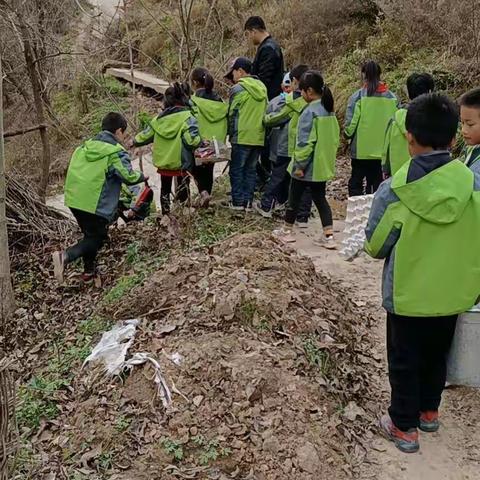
x=422 y=165
x=107 y=137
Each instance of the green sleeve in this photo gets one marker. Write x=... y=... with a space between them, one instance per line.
x=191 y=134
x=121 y=166
x=145 y=137
x=353 y=116
x=386 y=166
x=306 y=140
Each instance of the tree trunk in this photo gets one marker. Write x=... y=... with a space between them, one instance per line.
x=37 y=100
x=7 y=304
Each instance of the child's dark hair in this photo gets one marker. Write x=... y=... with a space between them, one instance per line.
x=314 y=80
x=255 y=23
x=419 y=83
x=471 y=98
x=433 y=120
x=203 y=78
x=114 y=121
x=298 y=70
x=371 y=71
x=176 y=96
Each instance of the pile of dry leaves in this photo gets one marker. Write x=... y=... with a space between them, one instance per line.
x=272 y=369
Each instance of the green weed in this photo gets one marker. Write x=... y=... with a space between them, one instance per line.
x=123 y=287
x=172 y=447
x=133 y=252
x=105 y=461
x=316 y=356
x=123 y=424
x=212 y=452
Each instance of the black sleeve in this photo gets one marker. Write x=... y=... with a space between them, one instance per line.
x=267 y=66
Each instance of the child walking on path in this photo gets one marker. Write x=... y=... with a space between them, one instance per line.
x=315 y=152
x=396 y=152
x=368 y=113
x=92 y=191
x=175 y=136
x=425 y=221
x=283 y=113
x=248 y=102
x=211 y=113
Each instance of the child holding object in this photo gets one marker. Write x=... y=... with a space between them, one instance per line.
x=175 y=136
x=211 y=113
x=92 y=191
x=314 y=155
x=425 y=222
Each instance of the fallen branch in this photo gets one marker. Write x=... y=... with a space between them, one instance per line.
x=23 y=131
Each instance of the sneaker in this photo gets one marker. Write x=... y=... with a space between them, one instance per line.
x=231 y=206
x=406 y=442
x=329 y=242
x=285 y=235
x=280 y=207
x=302 y=225
x=429 y=421
x=88 y=278
x=264 y=213
x=58 y=259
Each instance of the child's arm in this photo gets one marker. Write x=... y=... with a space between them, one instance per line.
x=277 y=115
x=145 y=137
x=384 y=224
x=191 y=135
x=306 y=140
x=352 y=116
x=386 y=166
x=121 y=166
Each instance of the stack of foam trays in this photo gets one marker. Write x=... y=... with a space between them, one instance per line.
x=358 y=210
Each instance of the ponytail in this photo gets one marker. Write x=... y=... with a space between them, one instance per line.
x=371 y=71
x=203 y=77
x=314 y=80
x=176 y=95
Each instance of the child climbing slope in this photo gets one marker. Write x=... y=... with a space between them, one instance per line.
x=368 y=114
x=175 y=136
x=211 y=113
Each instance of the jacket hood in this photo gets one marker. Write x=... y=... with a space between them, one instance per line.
x=296 y=103
x=214 y=111
x=170 y=122
x=254 y=87
x=101 y=146
x=441 y=192
x=400 y=119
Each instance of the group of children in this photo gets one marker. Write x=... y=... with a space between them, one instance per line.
x=425 y=218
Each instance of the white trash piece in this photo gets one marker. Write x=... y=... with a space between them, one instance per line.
x=463 y=367
x=113 y=346
x=358 y=210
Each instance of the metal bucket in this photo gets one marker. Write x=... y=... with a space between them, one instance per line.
x=463 y=367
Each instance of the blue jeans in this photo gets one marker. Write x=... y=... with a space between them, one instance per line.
x=243 y=173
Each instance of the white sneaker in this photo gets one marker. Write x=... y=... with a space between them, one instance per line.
x=329 y=242
x=258 y=208
x=285 y=235
x=231 y=206
x=302 y=225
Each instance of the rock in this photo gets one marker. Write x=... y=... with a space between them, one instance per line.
x=198 y=400
x=271 y=444
x=307 y=458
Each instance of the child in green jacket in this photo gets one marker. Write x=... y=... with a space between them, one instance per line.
x=175 y=136
x=368 y=113
x=470 y=117
x=425 y=222
x=314 y=155
x=395 y=150
x=211 y=113
x=92 y=191
x=248 y=102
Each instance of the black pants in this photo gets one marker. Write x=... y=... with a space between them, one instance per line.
x=203 y=175
x=417 y=364
x=182 y=191
x=276 y=190
x=369 y=170
x=95 y=234
x=318 y=191
x=264 y=165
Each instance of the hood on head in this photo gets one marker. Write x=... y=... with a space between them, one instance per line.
x=254 y=87
x=441 y=195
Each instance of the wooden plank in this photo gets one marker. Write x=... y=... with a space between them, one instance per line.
x=203 y=161
x=139 y=78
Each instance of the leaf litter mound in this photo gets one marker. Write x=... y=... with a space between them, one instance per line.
x=274 y=374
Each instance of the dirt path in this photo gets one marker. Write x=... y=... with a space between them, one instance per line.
x=451 y=454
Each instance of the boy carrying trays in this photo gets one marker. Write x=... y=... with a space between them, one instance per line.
x=425 y=221
x=92 y=191
x=248 y=102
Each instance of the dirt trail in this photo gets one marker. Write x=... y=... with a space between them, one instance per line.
x=451 y=454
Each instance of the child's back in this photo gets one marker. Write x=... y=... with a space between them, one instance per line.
x=211 y=113
x=396 y=151
x=248 y=102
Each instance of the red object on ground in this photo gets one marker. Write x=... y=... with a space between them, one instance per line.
x=145 y=196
